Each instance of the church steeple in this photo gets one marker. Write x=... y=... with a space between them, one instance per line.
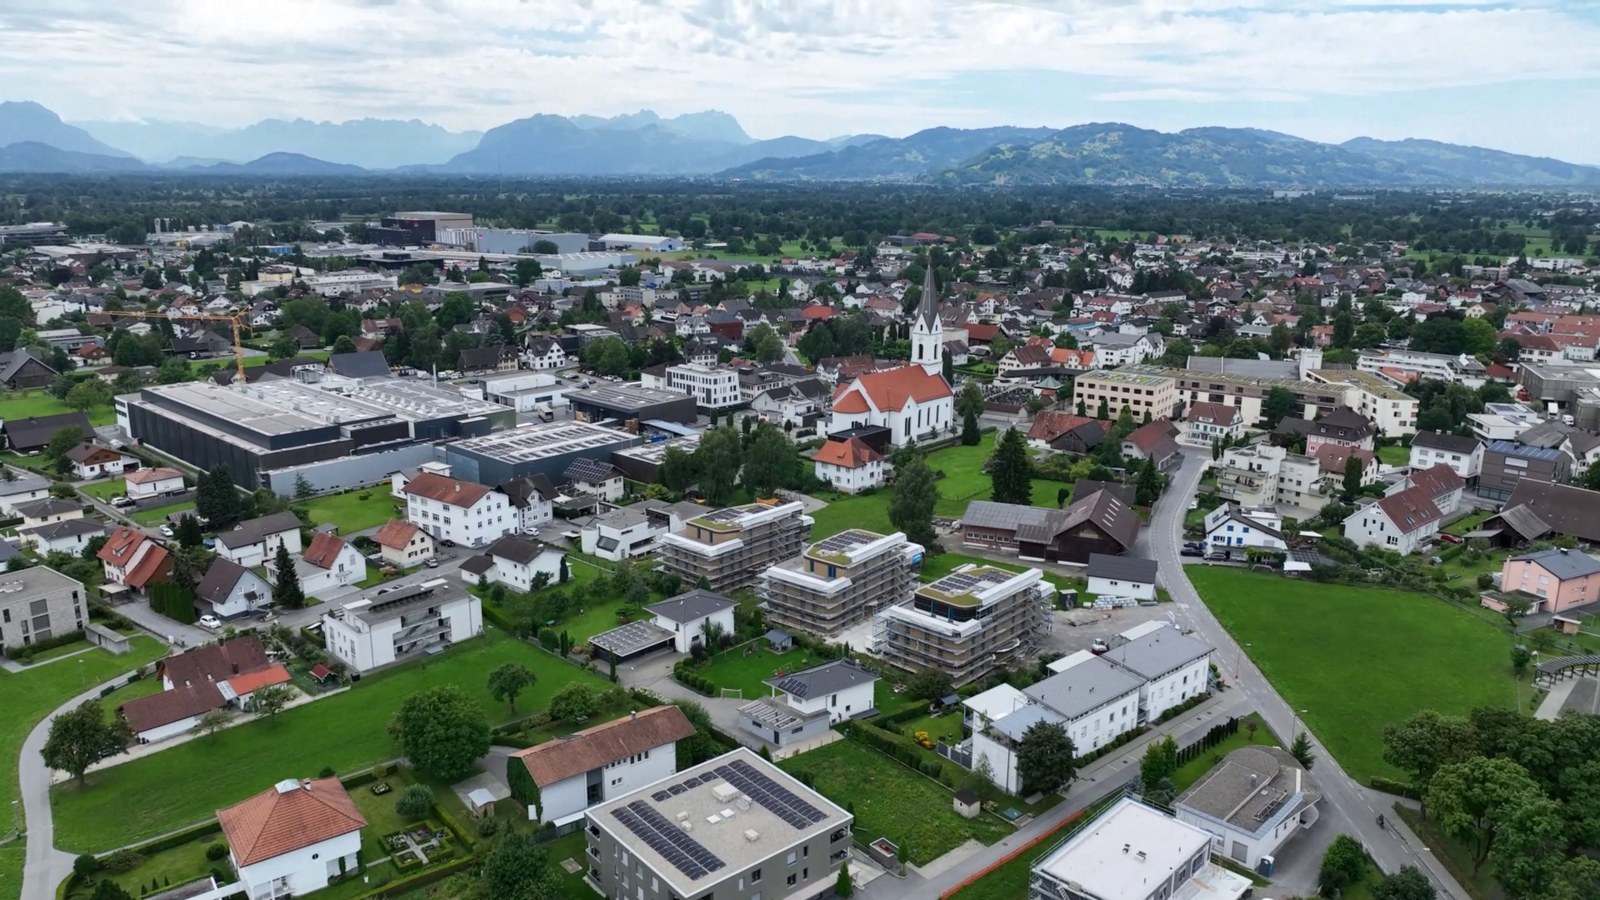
x=927 y=332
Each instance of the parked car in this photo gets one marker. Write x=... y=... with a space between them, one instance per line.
x=432 y=564
x=1449 y=538
x=447 y=543
x=211 y=622
x=166 y=531
x=1191 y=551
x=120 y=502
x=1218 y=556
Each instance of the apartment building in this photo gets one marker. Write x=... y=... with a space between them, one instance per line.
x=462 y=512
x=1507 y=462
x=1140 y=392
x=731 y=547
x=38 y=604
x=1391 y=411
x=839 y=581
x=966 y=623
x=712 y=388
x=1264 y=475
x=388 y=625
x=1401 y=366
x=1134 y=852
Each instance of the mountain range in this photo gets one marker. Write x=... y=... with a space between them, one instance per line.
x=712 y=143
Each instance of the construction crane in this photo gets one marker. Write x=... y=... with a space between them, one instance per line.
x=238 y=348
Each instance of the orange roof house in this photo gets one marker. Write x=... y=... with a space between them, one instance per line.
x=134 y=559
x=290 y=816
x=850 y=453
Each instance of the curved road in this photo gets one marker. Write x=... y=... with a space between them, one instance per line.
x=1349 y=807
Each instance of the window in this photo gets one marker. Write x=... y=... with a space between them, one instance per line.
x=792 y=879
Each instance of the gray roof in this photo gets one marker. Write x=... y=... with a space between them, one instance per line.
x=1519 y=450
x=360 y=364
x=1439 y=440
x=1251 y=789
x=989 y=514
x=49 y=506
x=688 y=607
x=1122 y=568
x=1157 y=653
x=477 y=565
x=255 y=531
x=1563 y=564
x=1084 y=687
x=219 y=580
x=24 y=483
x=64 y=528
x=1015 y=724
x=819 y=681
x=519 y=550
x=34 y=433
x=11 y=362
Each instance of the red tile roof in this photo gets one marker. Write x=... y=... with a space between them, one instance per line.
x=172 y=706
x=291 y=816
x=894 y=388
x=1212 y=413
x=324 y=550
x=145 y=476
x=1410 y=510
x=452 y=491
x=1438 y=480
x=1051 y=424
x=396 y=534
x=121 y=550
x=851 y=402
x=851 y=453
x=251 y=682
x=596 y=747
x=216 y=663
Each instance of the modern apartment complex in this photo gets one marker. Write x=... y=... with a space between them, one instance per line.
x=731 y=547
x=1140 y=392
x=966 y=623
x=712 y=388
x=37 y=604
x=840 y=581
x=382 y=628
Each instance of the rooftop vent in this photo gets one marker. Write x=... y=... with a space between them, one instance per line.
x=751 y=835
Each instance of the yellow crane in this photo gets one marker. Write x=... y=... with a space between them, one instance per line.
x=238 y=348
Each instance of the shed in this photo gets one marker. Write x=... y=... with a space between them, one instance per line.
x=779 y=640
x=968 y=804
x=480 y=802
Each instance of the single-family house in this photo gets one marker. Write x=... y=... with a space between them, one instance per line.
x=1441 y=484
x=1206 y=423
x=229 y=590
x=134 y=560
x=145 y=484
x=403 y=545
x=533 y=498
x=849 y=465
x=596 y=764
x=328 y=564
x=595 y=478
x=94 y=460
x=620 y=534
x=515 y=562
x=1232 y=528
x=64 y=535
x=544 y=353
x=1343 y=426
x=1463 y=454
x=688 y=614
x=1056 y=430
x=254 y=542
x=294 y=838
x=1401 y=522
x=1155 y=441
x=1121 y=576
x=1251 y=803
x=1557 y=579
x=22 y=487
x=804 y=704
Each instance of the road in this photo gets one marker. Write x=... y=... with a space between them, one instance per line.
x=1348 y=807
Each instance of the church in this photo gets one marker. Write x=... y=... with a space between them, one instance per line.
x=913 y=402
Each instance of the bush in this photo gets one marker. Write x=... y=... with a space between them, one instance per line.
x=217 y=851
x=1392 y=786
x=121 y=861
x=327 y=772
x=381 y=770
x=416 y=802
x=1485 y=580
x=85 y=865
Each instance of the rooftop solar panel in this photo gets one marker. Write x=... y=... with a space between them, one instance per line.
x=773 y=797
x=685 y=853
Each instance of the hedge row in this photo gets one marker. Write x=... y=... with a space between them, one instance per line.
x=421 y=879
x=1393 y=786
x=902 y=751
x=20 y=651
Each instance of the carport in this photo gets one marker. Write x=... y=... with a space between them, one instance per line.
x=633 y=639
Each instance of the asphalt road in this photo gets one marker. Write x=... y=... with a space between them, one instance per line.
x=1347 y=807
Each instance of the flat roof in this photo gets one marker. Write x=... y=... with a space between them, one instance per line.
x=631 y=396
x=1125 y=376
x=33 y=581
x=543 y=440
x=390 y=603
x=844 y=548
x=741 y=811
x=634 y=637
x=1128 y=851
x=656 y=451
x=966 y=588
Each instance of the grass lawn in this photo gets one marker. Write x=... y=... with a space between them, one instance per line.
x=892 y=801
x=1357 y=659
x=1190 y=772
x=36 y=463
x=731 y=669
x=350 y=512
x=174 y=866
x=63 y=650
x=158 y=515
x=29 y=404
x=573 y=847
x=11 y=870
x=104 y=490
x=157 y=793
x=1010 y=880
x=1394 y=455
x=144 y=687
x=27 y=697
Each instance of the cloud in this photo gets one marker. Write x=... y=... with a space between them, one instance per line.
x=817 y=67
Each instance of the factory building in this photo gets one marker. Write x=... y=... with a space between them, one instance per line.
x=545 y=449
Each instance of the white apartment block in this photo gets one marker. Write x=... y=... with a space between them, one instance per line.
x=711 y=388
x=383 y=628
x=1263 y=475
x=462 y=512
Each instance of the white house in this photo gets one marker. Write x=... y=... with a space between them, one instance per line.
x=1174 y=667
x=391 y=624
x=619 y=534
x=1251 y=803
x=839 y=688
x=596 y=478
x=66 y=535
x=544 y=353
x=849 y=465
x=23 y=487
x=514 y=562
x=399 y=480
x=47 y=511
x=133 y=559
x=533 y=498
x=1121 y=576
x=404 y=545
x=1236 y=528
x=143 y=484
x=328 y=564
x=1440 y=483
x=687 y=614
x=294 y=838
x=1400 y=522
x=255 y=542
x=92 y=460
x=600 y=763
x=913 y=403
x=1112 y=349
x=1432 y=448
x=231 y=590
x=460 y=512
x=1207 y=423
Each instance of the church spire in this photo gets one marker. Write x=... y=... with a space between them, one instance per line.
x=928 y=310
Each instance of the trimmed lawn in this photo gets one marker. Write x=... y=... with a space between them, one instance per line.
x=174 y=866
x=27 y=697
x=158 y=515
x=144 y=687
x=63 y=650
x=870 y=512
x=11 y=857
x=350 y=512
x=892 y=801
x=573 y=847
x=732 y=669
x=1194 y=769
x=1394 y=455
x=1357 y=659
x=29 y=404
x=185 y=784
x=104 y=490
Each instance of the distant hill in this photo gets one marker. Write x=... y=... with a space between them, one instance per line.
x=282 y=164
x=924 y=153
x=1460 y=164
x=25 y=121
x=370 y=143
x=34 y=157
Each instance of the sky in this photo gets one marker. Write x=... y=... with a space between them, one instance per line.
x=1522 y=76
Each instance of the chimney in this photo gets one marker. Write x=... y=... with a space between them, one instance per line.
x=633 y=714
x=1126 y=847
x=1563 y=551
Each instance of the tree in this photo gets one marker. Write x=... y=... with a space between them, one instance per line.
x=415 y=802
x=106 y=889
x=971 y=436
x=970 y=399
x=1407 y=884
x=270 y=700
x=82 y=737
x=286 y=592
x=1147 y=489
x=1478 y=800
x=765 y=344
x=770 y=461
x=1343 y=865
x=302 y=487
x=911 y=505
x=1159 y=761
x=1011 y=471
x=573 y=702
x=213 y=722
x=1520 y=658
x=1344 y=329
x=509 y=680
x=843 y=886
x=517 y=868
x=216 y=498
x=928 y=685
x=60 y=444
x=189 y=533
x=1276 y=406
x=1352 y=475
x=1301 y=750
x=442 y=731
x=1046 y=759
x=89 y=393
x=1423 y=743
x=717 y=461
x=678 y=471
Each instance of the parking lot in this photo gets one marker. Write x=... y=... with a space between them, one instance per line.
x=1075 y=630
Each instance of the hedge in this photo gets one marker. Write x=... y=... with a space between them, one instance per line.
x=498 y=619
x=1393 y=786
x=21 y=650
x=421 y=879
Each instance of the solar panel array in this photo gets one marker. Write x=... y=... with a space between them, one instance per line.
x=774 y=797
x=685 y=853
x=586 y=469
x=843 y=542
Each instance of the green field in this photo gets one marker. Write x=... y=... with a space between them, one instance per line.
x=27 y=697
x=732 y=669
x=26 y=404
x=350 y=512
x=158 y=515
x=892 y=801
x=1394 y=455
x=188 y=782
x=11 y=857
x=1357 y=659
x=104 y=490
